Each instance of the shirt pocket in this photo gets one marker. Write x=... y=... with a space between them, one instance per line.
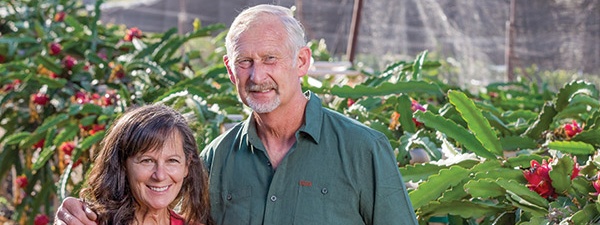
x=321 y=204
x=237 y=206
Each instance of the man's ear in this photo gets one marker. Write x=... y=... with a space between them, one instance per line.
x=303 y=60
x=229 y=70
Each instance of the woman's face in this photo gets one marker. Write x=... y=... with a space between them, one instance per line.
x=156 y=176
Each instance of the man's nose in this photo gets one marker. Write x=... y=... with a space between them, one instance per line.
x=259 y=73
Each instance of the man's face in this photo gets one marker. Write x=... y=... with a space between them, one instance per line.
x=263 y=70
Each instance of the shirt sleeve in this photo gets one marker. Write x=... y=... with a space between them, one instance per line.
x=390 y=202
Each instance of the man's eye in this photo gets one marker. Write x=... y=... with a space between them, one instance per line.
x=244 y=63
x=270 y=59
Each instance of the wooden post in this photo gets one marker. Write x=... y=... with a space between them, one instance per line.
x=354 y=27
x=510 y=36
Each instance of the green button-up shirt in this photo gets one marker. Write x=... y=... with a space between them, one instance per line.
x=338 y=172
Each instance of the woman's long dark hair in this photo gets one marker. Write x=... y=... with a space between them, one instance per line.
x=139 y=130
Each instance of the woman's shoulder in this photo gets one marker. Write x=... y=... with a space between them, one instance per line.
x=176 y=219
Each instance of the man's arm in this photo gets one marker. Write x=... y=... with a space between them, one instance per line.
x=391 y=204
x=73 y=211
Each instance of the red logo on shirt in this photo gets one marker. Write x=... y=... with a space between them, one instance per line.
x=305 y=183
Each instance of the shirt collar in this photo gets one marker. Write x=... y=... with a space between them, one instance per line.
x=313 y=119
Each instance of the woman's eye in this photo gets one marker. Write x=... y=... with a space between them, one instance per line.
x=146 y=161
x=173 y=160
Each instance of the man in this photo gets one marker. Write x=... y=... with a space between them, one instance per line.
x=292 y=161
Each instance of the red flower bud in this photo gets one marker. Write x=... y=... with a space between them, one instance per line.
x=39 y=144
x=538 y=179
x=40 y=98
x=69 y=62
x=21 y=181
x=493 y=94
x=41 y=219
x=81 y=97
x=11 y=86
x=54 y=48
x=67 y=147
x=572 y=129
x=96 y=128
x=134 y=32
x=350 y=102
x=596 y=184
x=59 y=16
x=414 y=106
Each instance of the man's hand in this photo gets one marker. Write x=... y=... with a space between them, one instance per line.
x=73 y=211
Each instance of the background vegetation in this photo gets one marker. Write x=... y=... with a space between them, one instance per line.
x=519 y=152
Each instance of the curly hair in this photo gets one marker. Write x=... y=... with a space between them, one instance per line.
x=140 y=130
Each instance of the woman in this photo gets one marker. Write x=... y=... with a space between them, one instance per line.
x=149 y=164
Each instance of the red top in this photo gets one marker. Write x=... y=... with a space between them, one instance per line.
x=176 y=219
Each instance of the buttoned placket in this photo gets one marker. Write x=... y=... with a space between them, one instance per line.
x=277 y=187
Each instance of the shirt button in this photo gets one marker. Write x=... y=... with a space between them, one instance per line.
x=273 y=198
x=228 y=196
x=324 y=191
x=269 y=164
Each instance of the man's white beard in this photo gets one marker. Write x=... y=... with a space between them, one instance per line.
x=263 y=107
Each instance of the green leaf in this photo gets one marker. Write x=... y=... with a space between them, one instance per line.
x=506 y=173
x=17 y=40
x=48 y=64
x=169 y=46
x=91 y=140
x=9 y=156
x=497 y=123
x=462 y=208
x=67 y=133
x=46 y=153
x=51 y=82
x=542 y=123
x=16 y=138
x=512 y=143
x=72 y=22
x=585 y=216
x=51 y=122
x=91 y=109
x=63 y=181
x=573 y=147
x=387 y=89
x=561 y=174
x=454 y=131
x=88 y=120
x=204 y=31
x=523 y=161
x=418 y=172
x=406 y=114
x=521 y=195
x=585 y=100
x=455 y=193
x=477 y=123
x=589 y=136
x=484 y=188
x=437 y=184
x=418 y=65
x=144 y=65
x=569 y=90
